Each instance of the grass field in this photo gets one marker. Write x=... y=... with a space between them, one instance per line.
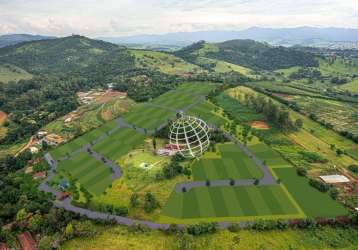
x=119 y=237
x=12 y=73
x=351 y=86
x=313 y=202
x=82 y=140
x=90 y=173
x=165 y=62
x=221 y=202
x=119 y=143
x=206 y=111
x=339 y=67
x=267 y=154
x=233 y=164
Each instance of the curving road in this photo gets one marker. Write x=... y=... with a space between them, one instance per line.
x=117 y=173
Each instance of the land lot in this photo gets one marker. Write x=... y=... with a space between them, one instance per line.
x=313 y=202
x=232 y=164
x=208 y=112
x=221 y=202
x=119 y=143
x=89 y=172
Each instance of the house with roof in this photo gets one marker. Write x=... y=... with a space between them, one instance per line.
x=26 y=241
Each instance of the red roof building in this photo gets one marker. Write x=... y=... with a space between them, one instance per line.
x=3 y=246
x=26 y=241
x=62 y=196
x=39 y=175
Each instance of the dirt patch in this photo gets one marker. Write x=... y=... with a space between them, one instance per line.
x=110 y=95
x=106 y=114
x=284 y=96
x=3 y=117
x=259 y=125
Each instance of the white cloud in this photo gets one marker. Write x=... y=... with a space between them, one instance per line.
x=127 y=17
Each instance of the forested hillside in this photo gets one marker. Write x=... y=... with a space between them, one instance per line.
x=250 y=54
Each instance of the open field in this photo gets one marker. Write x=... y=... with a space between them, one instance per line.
x=206 y=111
x=148 y=117
x=351 y=86
x=221 y=202
x=119 y=143
x=267 y=154
x=313 y=202
x=119 y=237
x=165 y=62
x=10 y=73
x=82 y=140
x=89 y=172
x=233 y=164
x=222 y=66
x=338 y=67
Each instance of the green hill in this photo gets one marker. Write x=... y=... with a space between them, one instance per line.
x=250 y=54
x=64 y=55
x=10 y=73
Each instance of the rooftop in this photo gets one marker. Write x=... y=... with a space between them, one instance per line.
x=334 y=178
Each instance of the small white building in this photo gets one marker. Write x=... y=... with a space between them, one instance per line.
x=69 y=119
x=336 y=178
x=34 y=150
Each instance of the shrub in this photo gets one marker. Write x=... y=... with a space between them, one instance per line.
x=150 y=202
x=323 y=187
x=207 y=183
x=202 y=228
x=232 y=182
x=334 y=192
x=301 y=171
x=353 y=168
x=234 y=227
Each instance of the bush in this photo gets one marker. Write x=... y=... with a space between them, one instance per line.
x=334 y=192
x=323 y=187
x=301 y=171
x=234 y=227
x=312 y=157
x=202 y=228
x=150 y=202
x=353 y=168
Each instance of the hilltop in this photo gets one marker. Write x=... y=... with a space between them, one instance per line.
x=248 y=53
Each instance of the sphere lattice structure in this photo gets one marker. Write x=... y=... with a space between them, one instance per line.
x=190 y=135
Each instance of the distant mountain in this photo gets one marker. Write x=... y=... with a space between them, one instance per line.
x=12 y=39
x=247 y=53
x=308 y=36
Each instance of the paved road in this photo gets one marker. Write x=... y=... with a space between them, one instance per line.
x=116 y=170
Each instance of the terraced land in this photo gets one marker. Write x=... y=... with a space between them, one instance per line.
x=225 y=202
x=313 y=202
x=232 y=164
x=82 y=140
x=90 y=173
x=119 y=143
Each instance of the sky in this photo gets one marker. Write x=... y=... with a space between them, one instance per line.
x=95 y=18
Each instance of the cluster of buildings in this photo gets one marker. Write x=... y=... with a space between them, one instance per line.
x=50 y=139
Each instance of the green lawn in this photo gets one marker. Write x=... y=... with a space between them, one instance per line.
x=313 y=202
x=267 y=154
x=233 y=164
x=82 y=140
x=90 y=173
x=119 y=143
x=206 y=202
x=206 y=111
x=148 y=117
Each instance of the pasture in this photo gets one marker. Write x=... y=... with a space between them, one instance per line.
x=232 y=164
x=10 y=73
x=219 y=203
x=89 y=172
x=313 y=202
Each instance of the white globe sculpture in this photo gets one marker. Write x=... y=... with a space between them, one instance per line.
x=190 y=135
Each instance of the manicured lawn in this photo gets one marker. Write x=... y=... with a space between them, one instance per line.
x=148 y=117
x=90 y=173
x=206 y=111
x=267 y=154
x=313 y=202
x=82 y=140
x=233 y=164
x=206 y=202
x=119 y=143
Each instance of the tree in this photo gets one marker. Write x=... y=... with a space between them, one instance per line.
x=21 y=214
x=150 y=202
x=134 y=201
x=45 y=243
x=69 y=231
x=298 y=123
x=154 y=143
